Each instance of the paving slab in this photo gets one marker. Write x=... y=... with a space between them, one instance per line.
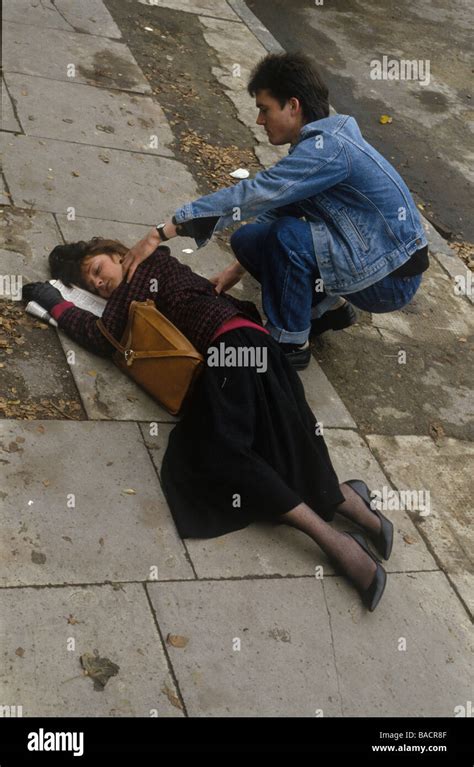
x=104 y=533
x=435 y=307
x=445 y=469
x=377 y=677
x=264 y=550
x=45 y=632
x=107 y=394
x=82 y=58
x=89 y=16
x=9 y=120
x=27 y=240
x=238 y=52
x=323 y=398
x=219 y=8
x=407 y=371
x=96 y=182
x=34 y=12
x=90 y=115
x=285 y=664
x=4 y=198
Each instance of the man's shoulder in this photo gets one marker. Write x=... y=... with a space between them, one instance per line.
x=331 y=125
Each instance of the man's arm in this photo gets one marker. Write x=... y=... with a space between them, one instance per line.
x=305 y=172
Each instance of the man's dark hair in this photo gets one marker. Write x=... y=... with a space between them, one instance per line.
x=292 y=74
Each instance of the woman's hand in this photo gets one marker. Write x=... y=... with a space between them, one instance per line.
x=45 y=294
x=229 y=277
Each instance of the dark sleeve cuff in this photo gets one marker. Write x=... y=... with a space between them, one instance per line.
x=197 y=228
x=58 y=309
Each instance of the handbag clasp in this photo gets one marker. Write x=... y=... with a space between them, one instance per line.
x=129 y=355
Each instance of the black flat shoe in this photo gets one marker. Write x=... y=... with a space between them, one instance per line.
x=383 y=541
x=337 y=319
x=373 y=594
x=298 y=356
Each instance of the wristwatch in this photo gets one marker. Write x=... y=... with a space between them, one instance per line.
x=160 y=228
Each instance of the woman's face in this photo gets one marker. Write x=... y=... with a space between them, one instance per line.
x=103 y=273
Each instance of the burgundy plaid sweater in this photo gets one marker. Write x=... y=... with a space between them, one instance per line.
x=186 y=299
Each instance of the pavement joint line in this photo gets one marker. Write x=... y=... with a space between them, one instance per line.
x=72 y=31
x=207 y=16
x=98 y=146
x=58 y=227
x=341 y=698
x=7 y=188
x=225 y=579
x=271 y=44
x=424 y=537
x=93 y=218
x=79 y=82
x=148 y=450
x=255 y=26
x=14 y=107
x=165 y=650
x=53 y=3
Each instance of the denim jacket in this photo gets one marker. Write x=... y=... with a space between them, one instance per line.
x=363 y=219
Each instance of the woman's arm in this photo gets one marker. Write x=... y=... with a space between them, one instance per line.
x=79 y=324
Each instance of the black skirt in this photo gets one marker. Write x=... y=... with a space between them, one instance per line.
x=246 y=449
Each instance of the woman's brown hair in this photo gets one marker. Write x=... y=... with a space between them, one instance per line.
x=66 y=262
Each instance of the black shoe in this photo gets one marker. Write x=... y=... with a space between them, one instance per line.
x=383 y=541
x=372 y=595
x=297 y=355
x=337 y=319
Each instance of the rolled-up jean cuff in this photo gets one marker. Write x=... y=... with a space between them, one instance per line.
x=319 y=309
x=286 y=337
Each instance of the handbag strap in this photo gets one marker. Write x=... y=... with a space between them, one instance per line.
x=130 y=354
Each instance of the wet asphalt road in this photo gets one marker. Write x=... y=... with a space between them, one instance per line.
x=430 y=140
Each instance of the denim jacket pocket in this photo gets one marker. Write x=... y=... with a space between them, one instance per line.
x=362 y=241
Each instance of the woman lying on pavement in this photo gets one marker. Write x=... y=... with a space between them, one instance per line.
x=247 y=447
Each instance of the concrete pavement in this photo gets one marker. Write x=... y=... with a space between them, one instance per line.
x=90 y=559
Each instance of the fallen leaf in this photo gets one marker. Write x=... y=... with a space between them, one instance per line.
x=75 y=173
x=99 y=669
x=20 y=652
x=173 y=699
x=46 y=482
x=175 y=640
x=384 y=119
x=409 y=539
x=129 y=491
x=436 y=431
x=72 y=620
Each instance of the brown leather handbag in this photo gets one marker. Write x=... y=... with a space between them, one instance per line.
x=156 y=355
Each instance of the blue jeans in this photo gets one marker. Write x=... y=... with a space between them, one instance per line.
x=280 y=255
